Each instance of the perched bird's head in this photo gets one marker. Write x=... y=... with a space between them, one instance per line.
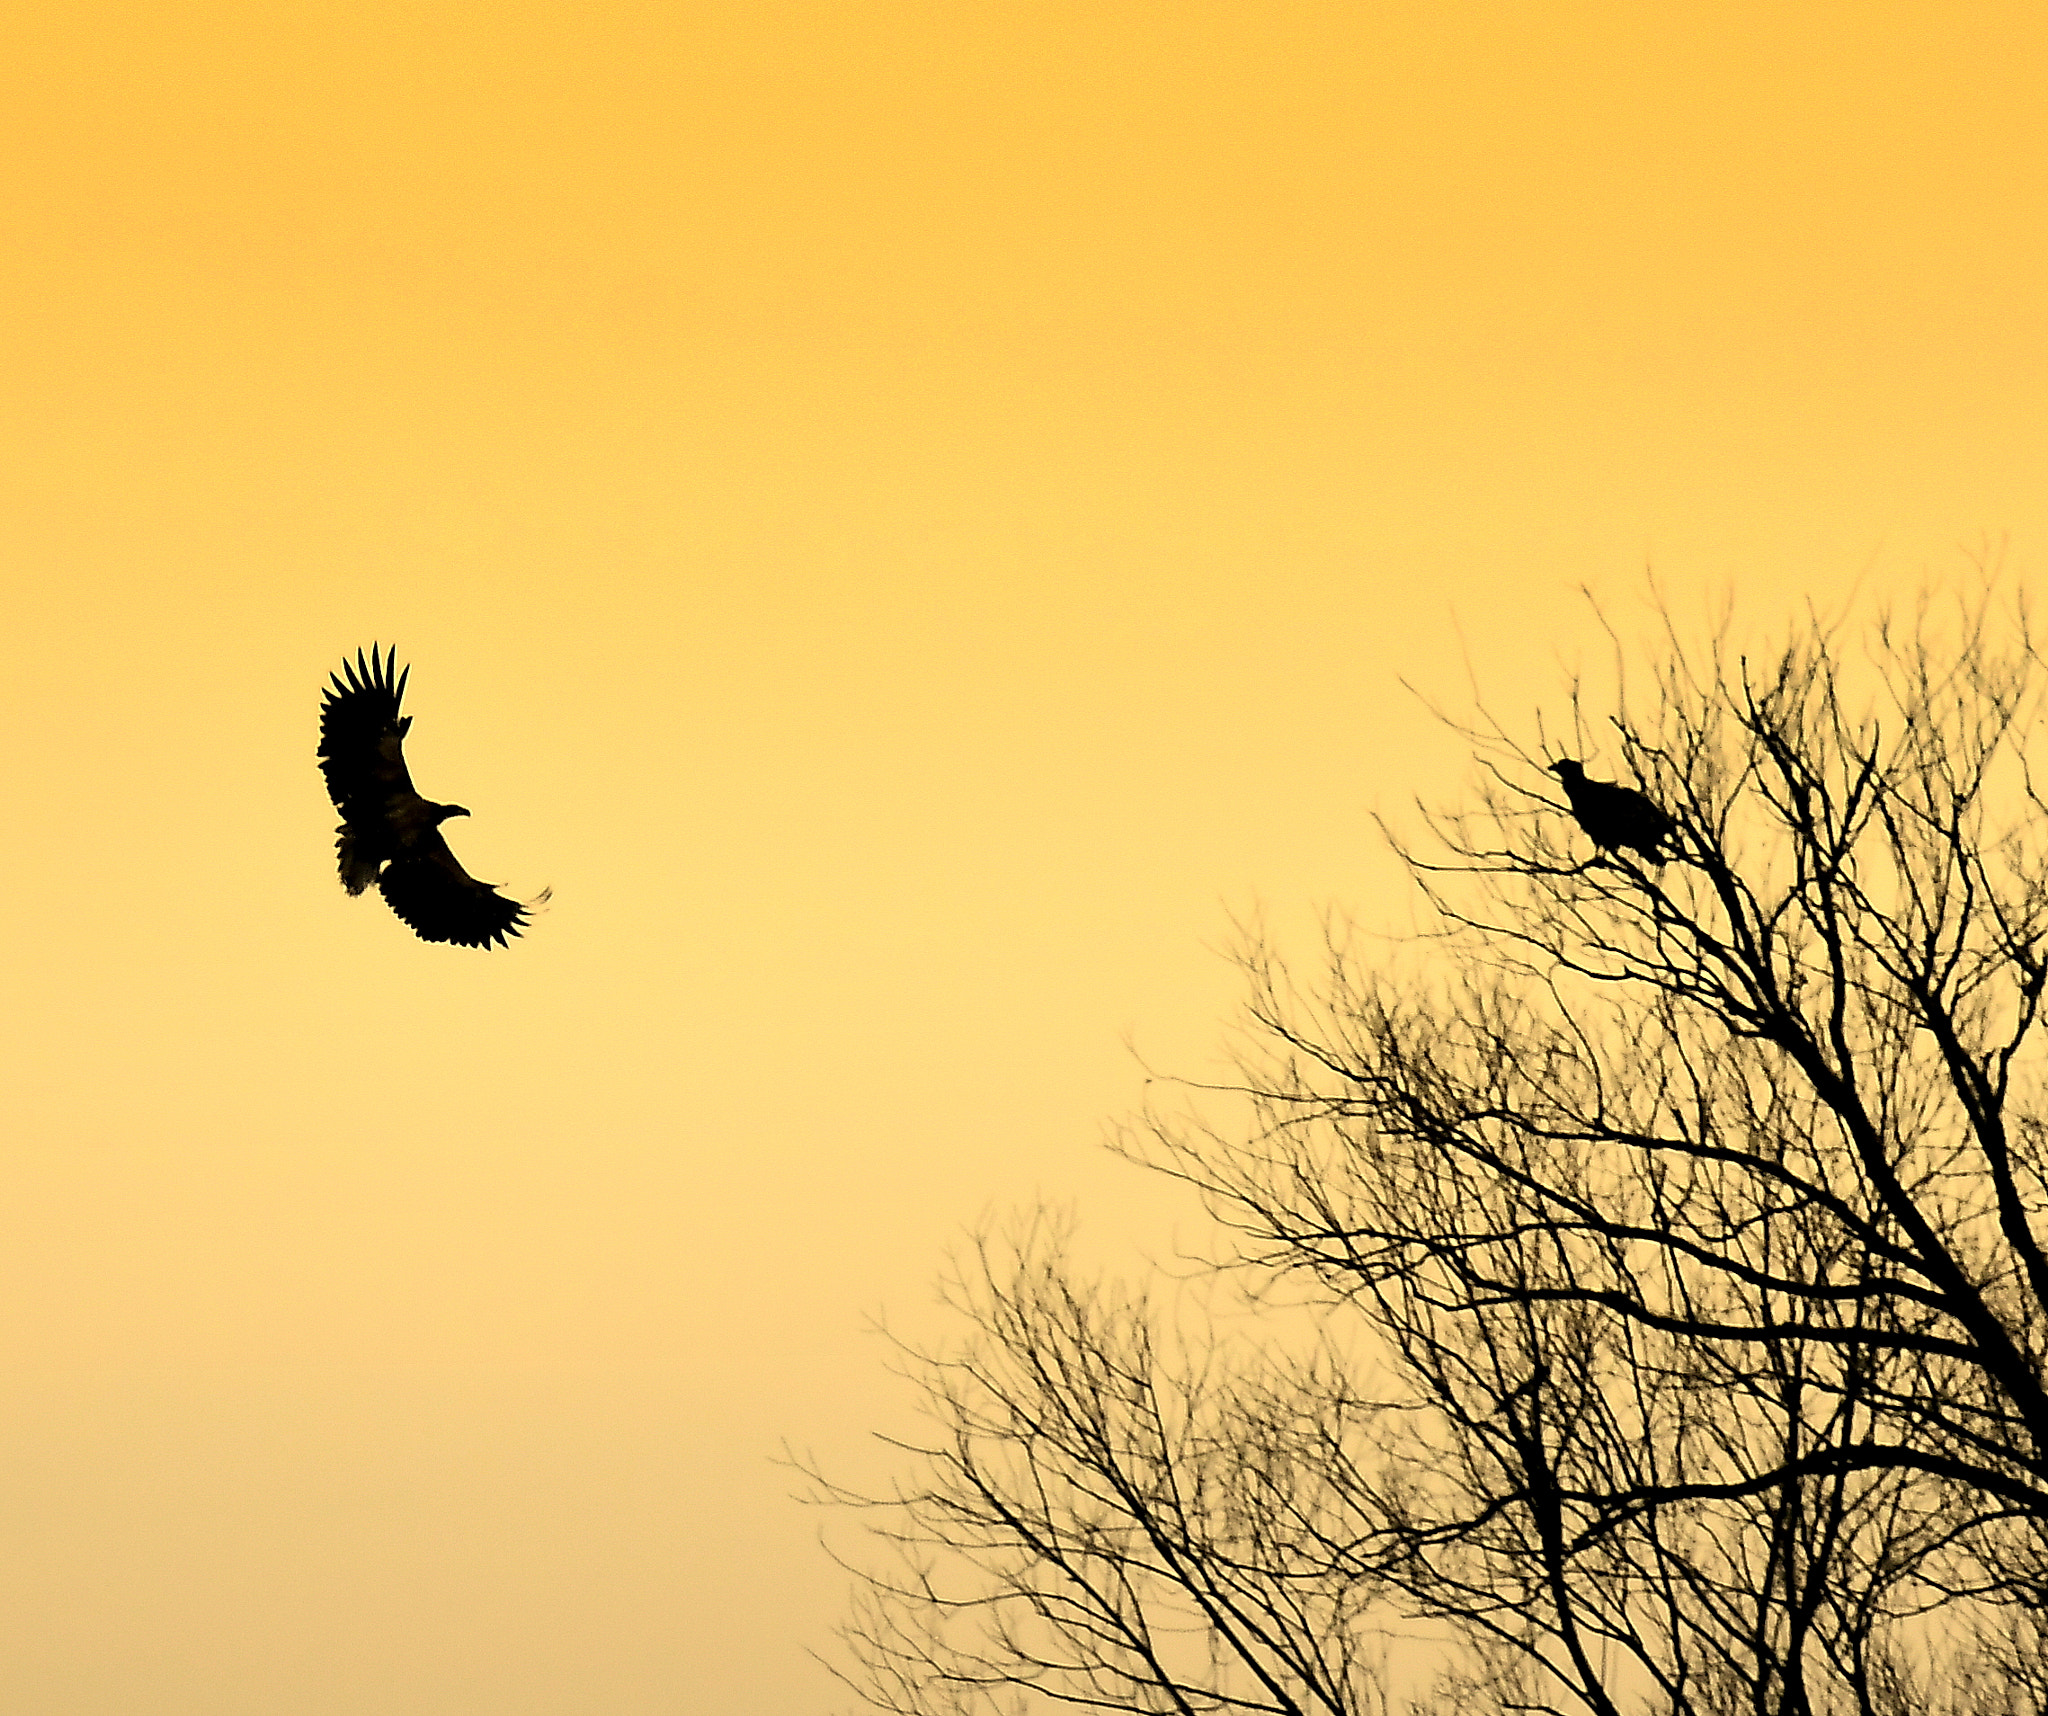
x=442 y=812
x=1567 y=770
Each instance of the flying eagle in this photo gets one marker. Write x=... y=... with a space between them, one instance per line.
x=1615 y=818
x=389 y=834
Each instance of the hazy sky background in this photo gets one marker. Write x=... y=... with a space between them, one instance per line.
x=907 y=516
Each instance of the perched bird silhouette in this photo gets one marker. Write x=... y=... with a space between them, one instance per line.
x=1615 y=818
x=390 y=835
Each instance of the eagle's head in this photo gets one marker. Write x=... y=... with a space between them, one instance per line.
x=442 y=812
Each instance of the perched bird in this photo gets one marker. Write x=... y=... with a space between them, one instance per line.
x=389 y=834
x=1616 y=818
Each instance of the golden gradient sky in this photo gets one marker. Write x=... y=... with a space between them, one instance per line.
x=904 y=514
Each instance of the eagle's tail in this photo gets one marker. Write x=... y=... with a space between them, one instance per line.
x=357 y=870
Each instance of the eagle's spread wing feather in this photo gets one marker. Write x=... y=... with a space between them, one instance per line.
x=362 y=738
x=440 y=901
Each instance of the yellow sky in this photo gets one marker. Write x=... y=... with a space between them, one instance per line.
x=905 y=515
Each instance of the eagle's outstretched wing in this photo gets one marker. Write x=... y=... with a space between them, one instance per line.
x=362 y=736
x=440 y=901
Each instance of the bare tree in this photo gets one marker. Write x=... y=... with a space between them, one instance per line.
x=1694 y=1213
x=1100 y=1519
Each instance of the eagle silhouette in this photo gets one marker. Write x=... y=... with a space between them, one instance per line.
x=389 y=834
x=1615 y=818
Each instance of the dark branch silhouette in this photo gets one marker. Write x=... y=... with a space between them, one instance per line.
x=389 y=834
